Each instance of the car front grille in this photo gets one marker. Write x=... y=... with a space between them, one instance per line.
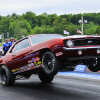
x=86 y=42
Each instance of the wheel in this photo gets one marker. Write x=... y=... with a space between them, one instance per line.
x=44 y=78
x=50 y=64
x=7 y=77
x=94 y=65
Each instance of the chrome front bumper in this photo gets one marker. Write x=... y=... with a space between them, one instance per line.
x=80 y=48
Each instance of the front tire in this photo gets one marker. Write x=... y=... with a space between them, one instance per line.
x=94 y=65
x=50 y=64
x=44 y=78
x=7 y=77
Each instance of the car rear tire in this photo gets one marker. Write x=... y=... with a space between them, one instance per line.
x=44 y=78
x=50 y=64
x=7 y=77
x=94 y=65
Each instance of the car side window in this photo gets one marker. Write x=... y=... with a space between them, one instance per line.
x=20 y=45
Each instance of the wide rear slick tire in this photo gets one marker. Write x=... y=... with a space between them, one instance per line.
x=50 y=64
x=44 y=78
x=7 y=77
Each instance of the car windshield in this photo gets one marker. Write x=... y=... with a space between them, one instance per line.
x=40 y=38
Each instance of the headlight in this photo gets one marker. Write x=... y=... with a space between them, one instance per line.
x=69 y=43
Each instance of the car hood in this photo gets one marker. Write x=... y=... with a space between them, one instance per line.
x=80 y=36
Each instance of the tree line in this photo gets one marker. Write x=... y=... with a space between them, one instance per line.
x=30 y=23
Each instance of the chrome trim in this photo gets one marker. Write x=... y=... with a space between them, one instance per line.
x=80 y=48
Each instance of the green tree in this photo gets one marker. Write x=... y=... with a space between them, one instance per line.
x=31 y=18
x=90 y=29
x=20 y=25
x=37 y=30
x=43 y=20
x=19 y=32
x=52 y=17
x=4 y=25
x=55 y=22
x=45 y=14
x=98 y=30
x=72 y=29
x=48 y=30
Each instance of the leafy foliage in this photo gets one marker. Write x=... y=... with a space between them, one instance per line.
x=29 y=23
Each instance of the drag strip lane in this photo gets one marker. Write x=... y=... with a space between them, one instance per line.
x=61 y=88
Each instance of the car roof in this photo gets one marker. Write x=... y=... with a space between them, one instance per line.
x=39 y=35
x=45 y=34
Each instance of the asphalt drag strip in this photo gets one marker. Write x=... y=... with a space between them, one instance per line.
x=63 y=87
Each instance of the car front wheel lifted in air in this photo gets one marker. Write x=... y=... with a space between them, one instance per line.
x=50 y=64
x=7 y=77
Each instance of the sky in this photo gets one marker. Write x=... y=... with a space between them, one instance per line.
x=59 y=7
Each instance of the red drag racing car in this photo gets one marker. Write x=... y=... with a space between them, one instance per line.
x=46 y=54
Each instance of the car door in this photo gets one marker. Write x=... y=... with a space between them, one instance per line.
x=20 y=52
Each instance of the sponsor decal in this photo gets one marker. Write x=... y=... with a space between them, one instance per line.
x=23 y=70
x=33 y=67
x=29 y=65
x=13 y=70
x=34 y=60
x=17 y=69
x=38 y=66
x=80 y=68
x=57 y=45
x=59 y=53
x=29 y=68
x=30 y=61
x=32 y=64
x=35 y=63
x=39 y=62
x=37 y=59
